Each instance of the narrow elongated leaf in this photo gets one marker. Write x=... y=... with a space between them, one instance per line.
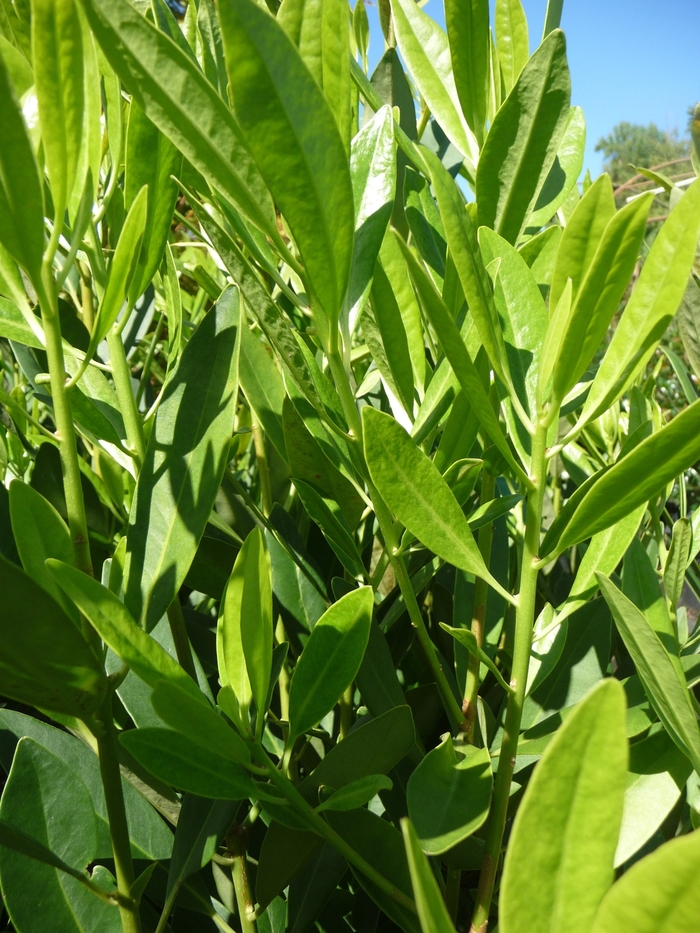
x=177 y=760
x=470 y=51
x=330 y=660
x=631 y=481
x=356 y=793
x=430 y=904
x=523 y=141
x=448 y=795
x=151 y=159
x=21 y=203
x=296 y=144
x=201 y=826
x=373 y=174
x=184 y=463
x=263 y=388
x=658 y=893
x=333 y=526
x=654 y=302
x=677 y=560
x=425 y=49
x=44 y=659
x=467 y=638
x=689 y=322
x=57 y=45
x=175 y=95
x=564 y=173
x=391 y=335
x=559 y=862
x=419 y=497
x=666 y=690
x=513 y=40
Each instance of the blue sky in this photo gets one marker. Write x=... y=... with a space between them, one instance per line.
x=635 y=60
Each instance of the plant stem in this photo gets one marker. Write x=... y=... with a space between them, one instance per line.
x=244 y=899
x=180 y=638
x=121 y=373
x=481 y=592
x=116 y=812
x=346 y=711
x=524 y=620
x=75 y=505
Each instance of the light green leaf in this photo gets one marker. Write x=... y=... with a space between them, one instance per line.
x=330 y=660
x=666 y=689
x=331 y=522
x=467 y=638
x=654 y=302
x=689 y=322
x=178 y=761
x=296 y=144
x=564 y=173
x=658 y=893
x=419 y=497
x=430 y=903
x=468 y=35
x=449 y=794
x=523 y=141
x=513 y=40
x=263 y=387
x=175 y=95
x=677 y=560
x=551 y=347
x=387 y=339
x=559 y=862
x=425 y=49
x=20 y=71
x=357 y=793
x=184 y=463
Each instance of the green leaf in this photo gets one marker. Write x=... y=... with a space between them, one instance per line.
x=198 y=722
x=151 y=159
x=178 y=761
x=201 y=826
x=373 y=174
x=48 y=802
x=175 y=95
x=386 y=337
x=449 y=794
x=658 y=772
x=666 y=689
x=263 y=388
x=425 y=49
x=111 y=620
x=641 y=585
x=523 y=141
x=21 y=202
x=57 y=46
x=19 y=69
x=600 y=292
x=677 y=560
x=630 y=482
x=655 y=300
x=296 y=144
x=467 y=638
x=39 y=533
x=331 y=522
x=658 y=893
x=470 y=51
x=689 y=322
x=432 y=911
x=44 y=659
x=123 y=266
x=184 y=463
x=419 y=497
x=513 y=40
x=564 y=173
x=559 y=862
x=329 y=661
x=356 y=794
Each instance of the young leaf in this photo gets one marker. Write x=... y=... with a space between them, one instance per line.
x=449 y=794
x=564 y=173
x=387 y=339
x=330 y=660
x=357 y=793
x=296 y=144
x=468 y=35
x=677 y=560
x=184 y=463
x=432 y=911
x=513 y=41
x=523 y=141
x=467 y=638
x=654 y=302
x=176 y=96
x=559 y=862
x=660 y=892
x=418 y=496
x=178 y=761
x=667 y=692
x=44 y=659
x=425 y=49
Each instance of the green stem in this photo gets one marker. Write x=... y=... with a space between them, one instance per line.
x=180 y=638
x=346 y=711
x=244 y=899
x=481 y=592
x=323 y=829
x=524 y=620
x=116 y=813
x=75 y=505
x=121 y=374
x=146 y=372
